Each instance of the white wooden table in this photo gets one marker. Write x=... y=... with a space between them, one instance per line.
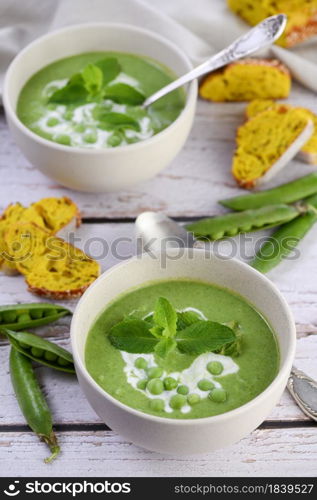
x=286 y=444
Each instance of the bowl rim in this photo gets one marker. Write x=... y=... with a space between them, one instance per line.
x=283 y=370
x=190 y=92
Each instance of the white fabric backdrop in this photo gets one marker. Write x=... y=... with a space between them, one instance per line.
x=199 y=27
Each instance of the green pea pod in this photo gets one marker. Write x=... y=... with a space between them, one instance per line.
x=282 y=242
x=21 y=316
x=41 y=350
x=32 y=401
x=286 y=193
x=231 y=224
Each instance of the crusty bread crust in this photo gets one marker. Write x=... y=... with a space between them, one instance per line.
x=61 y=295
x=273 y=63
x=300 y=34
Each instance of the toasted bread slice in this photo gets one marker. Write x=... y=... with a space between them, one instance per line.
x=308 y=152
x=301 y=16
x=246 y=80
x=53 y=214
x=267 y=142
x=51 y=266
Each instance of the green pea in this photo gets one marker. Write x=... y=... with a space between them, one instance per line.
x=63 y=139
x=24 y=346
x=170 y=383
x=142 y=384
x=155 y=386
x=114 y=140
x=155 y=372
x=80 y=127
x=49 y=312
x=232 y=232
x=193 y=399
x=183 y=389
x=157 y=404
x=90 y=137
x=36 y=352
x=9 y=317
x=218 y=236
x=178 y=401
x=215 y=367
x=140 y=363
x=245 y=229
x=50 y=356
x=24 y=318
x=68 y=115
x=218 y=395
x=51 y=122
x=205 y=385
x=36 y=314
x=62 y=361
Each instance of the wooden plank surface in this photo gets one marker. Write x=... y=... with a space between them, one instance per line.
x=267 y=452
x=190 y=187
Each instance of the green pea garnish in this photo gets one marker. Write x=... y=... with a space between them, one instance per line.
x=218 y=395
x=177 y=401
x=215 y=367
x=183 y=389
x=205 y=385
x=155 y=386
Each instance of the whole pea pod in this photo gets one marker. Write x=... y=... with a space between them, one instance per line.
x=216 y=228
x=283 y=242
x=21 y=316
x=32 y=401
x=41 y=350
x=286 y=193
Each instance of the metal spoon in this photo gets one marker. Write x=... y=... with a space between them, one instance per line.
x=156 y=232
x=259 y=37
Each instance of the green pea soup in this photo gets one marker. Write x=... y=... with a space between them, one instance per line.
x=184 y=386
x=109 y=114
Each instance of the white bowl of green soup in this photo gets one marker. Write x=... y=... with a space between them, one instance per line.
x=73 y=101
x=183 y=353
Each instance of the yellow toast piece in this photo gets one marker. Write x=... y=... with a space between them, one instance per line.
x=301 y=16
x=51 y=266
x=246 y=80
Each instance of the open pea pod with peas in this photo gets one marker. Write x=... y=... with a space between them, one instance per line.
x=41 y=350
x=21 y=316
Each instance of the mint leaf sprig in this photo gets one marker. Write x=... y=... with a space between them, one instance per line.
x=93 y=83
x=168 y=329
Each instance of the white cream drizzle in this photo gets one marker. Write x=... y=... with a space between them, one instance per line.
x=83 y=115
x=190 y=376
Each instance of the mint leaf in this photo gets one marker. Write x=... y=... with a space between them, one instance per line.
x=132 y=335
x=110 y=69
x=204 y=336
x=233 y=349
x=92 y=78
x=187 y=318
x=165 y=317
x=156 y=331
x=72 y=92
x=123 y=93
x=164 y=346
x=109 y=120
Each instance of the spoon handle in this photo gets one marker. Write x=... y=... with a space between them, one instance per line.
x=304 y=391
x=259 y=37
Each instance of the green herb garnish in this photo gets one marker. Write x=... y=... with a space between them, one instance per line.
x=123 y=93
x=168 y=329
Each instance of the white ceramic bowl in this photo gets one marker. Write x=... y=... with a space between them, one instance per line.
x=195 y=435
x=100 y=170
